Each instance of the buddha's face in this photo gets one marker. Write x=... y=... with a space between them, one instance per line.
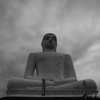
x=49 y=42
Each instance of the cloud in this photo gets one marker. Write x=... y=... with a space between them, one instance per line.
x=24 y=22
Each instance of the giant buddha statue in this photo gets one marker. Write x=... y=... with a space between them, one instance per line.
x=55 y=74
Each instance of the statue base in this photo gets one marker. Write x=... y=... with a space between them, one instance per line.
x=49 y=98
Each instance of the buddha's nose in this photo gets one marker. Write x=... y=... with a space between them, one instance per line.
x=50 y=41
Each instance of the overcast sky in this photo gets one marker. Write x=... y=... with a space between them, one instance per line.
x=75 y=22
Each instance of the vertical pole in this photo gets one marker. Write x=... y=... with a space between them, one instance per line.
x=85 y=90
x=43 y=87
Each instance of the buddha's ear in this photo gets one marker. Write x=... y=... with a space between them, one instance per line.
x=42 y=43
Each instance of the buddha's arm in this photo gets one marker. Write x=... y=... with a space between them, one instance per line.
x=69 y=71
x=30 y=67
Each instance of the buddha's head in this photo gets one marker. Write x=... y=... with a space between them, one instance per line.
x=49 y=42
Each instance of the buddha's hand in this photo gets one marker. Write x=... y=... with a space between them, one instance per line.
x=36 y=78
x=32 y=78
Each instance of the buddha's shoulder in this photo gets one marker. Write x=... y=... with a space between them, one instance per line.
x=65 y=55
x=35 y=54
x=68 y=55
x=41 y=53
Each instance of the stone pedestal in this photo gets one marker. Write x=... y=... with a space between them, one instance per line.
x=75 y=89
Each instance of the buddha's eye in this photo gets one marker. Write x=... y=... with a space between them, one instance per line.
x=46 y=38
x=54 y=38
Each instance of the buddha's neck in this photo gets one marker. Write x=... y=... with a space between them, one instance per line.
x=48 y=50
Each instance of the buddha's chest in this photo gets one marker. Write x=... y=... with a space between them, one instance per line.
x=50 y=58
x=50 y=63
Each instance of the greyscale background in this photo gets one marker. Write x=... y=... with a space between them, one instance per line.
x=24 y=22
